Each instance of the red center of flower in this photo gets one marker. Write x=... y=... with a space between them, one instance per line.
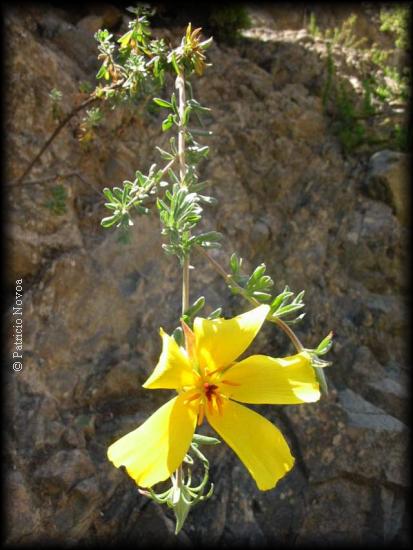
x=209 y=390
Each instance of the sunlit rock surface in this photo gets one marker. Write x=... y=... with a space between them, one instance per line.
x=332 y=224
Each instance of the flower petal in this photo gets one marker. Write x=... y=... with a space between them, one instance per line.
x=223 y=340
x=173 y=369
x=152 y=452
x=263 y=379
x=258 y=443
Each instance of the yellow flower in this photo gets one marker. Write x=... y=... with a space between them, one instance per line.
x=210 y=383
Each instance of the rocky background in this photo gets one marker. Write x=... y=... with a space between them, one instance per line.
x=331 y=223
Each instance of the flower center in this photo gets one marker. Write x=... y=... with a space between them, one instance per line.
x=210 y=390
x=207 y=395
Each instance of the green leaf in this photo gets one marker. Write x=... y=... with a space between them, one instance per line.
x=125 y=39
x=288 y=309
x=178 y=335
x=215 y=314
x=325 y=345
x=211 y=236
x=296 y=320
x=200 y=132
x=299 y=296
x=197 y=106
x=258 y=272
x=162 y=103
x=186 y=114
x=102 y=72
x=109 y=221
x=205 y=440
x=174 y=104
x=167 y=123
x=262 y=296
x=196 y=307
x=164 y=154
x=280 y=298
x=234 y=263
x=264 y=283
x=108 y=194
x=174 y=63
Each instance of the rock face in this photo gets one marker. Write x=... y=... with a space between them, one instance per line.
x=92 y=307
x=387 y=181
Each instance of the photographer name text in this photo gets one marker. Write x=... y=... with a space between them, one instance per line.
x=18 y=327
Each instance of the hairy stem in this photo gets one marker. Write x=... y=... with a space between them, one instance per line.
x=180 y=86
x=185 y=285
x=231 y=283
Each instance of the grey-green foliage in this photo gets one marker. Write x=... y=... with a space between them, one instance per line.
x=180 y=211
x=179 y=198
x=319 y=364
x=134 y=65
x=258 y=287
x=182 y=497
x=94 y=117
x=188 y=317
x=129 y=199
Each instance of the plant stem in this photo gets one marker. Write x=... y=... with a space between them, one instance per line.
x=180 y=86
x=146 y=191
x=231 y=283
x=185 y=285
x=60 y=127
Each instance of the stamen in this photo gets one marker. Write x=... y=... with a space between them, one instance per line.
x=209 y=403
x=226 y=367
x=214 y=371
x=195 y=396
x=230 y=383
x=219 y=403
x=201 y=414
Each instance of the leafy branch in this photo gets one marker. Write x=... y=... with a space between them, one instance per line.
x=277 y=305
x=138 y=64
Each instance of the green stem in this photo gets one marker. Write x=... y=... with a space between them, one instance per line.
x=231 y=283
